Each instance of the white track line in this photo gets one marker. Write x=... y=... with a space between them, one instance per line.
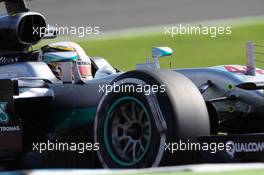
x=201 y=168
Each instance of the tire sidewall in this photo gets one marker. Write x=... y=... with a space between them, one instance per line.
x=156 y=142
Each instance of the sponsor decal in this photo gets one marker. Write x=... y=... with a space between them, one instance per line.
x=241 y=70
x=4 y=118
x=9 y=128
x=246 y=147
x=5 y=60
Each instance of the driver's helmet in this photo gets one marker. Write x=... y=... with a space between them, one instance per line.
x=56 y=54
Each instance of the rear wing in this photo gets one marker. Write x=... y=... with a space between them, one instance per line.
x=250 y=54
x=15 y=6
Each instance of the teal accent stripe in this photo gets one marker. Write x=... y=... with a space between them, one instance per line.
x=107 y=140
x=53 y=58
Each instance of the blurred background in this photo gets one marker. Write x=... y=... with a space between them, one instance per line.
x=134 y=26
x=123 y=14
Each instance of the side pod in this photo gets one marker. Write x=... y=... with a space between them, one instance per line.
x=10 y=125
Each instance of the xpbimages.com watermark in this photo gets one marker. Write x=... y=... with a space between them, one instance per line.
x=117 y=88
x=212 y=31
x=79 y=31
x=80 y=147
x=197 y=146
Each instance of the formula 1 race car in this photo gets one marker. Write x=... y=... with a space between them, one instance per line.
x=60 y=108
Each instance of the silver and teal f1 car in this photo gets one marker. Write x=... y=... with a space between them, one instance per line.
x=118 y=119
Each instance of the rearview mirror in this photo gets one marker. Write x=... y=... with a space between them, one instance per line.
x=158 y=52
x=161 y=52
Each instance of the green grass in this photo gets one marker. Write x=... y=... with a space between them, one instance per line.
x=189 y=50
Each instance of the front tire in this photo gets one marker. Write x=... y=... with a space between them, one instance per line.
x=128 y=132
x=177 y=113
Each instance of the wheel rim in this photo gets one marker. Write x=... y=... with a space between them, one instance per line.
x=127 y=131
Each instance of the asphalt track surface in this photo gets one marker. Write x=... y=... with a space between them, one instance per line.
x=125 y=14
